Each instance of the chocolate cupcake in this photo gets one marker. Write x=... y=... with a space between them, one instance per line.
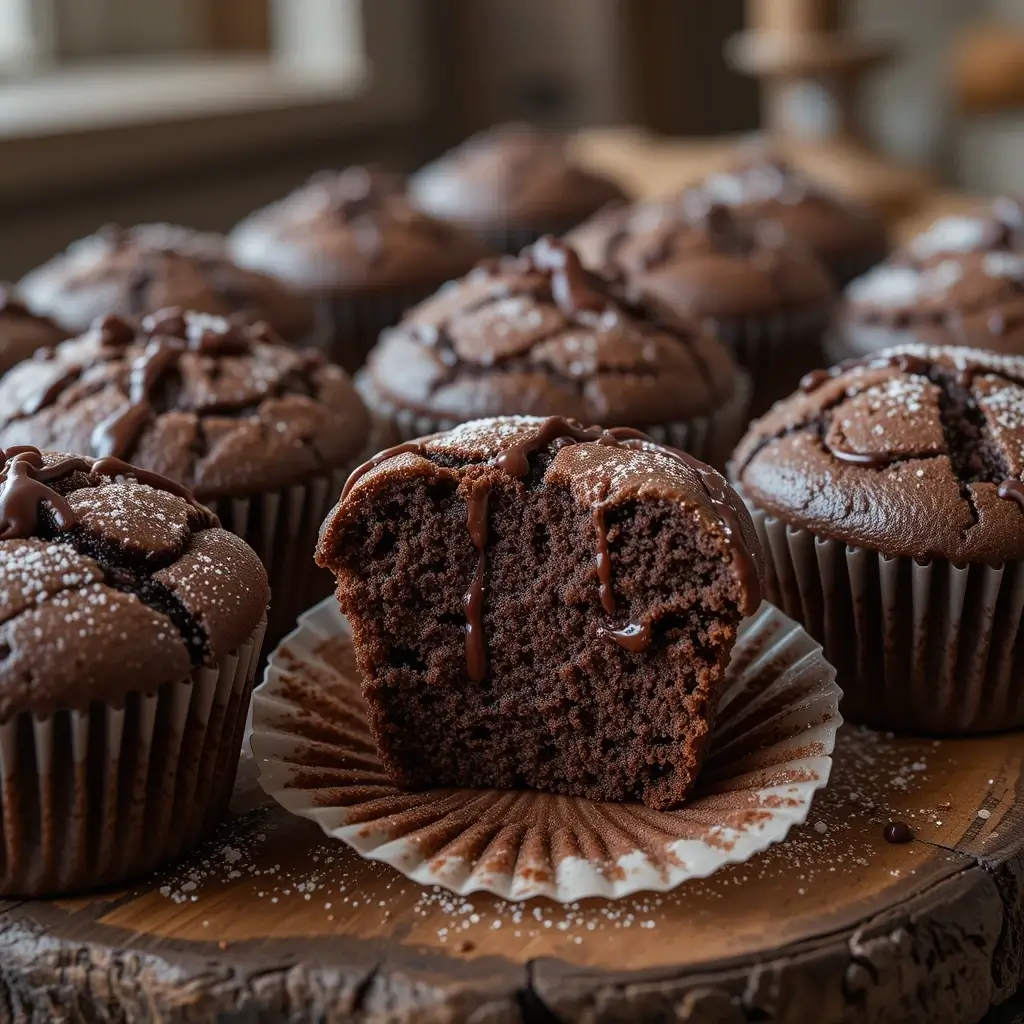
x=973 y=299
x=767 y=298
x=130 y=630
x=889 y=502
x=572 y=636
x=511 y=185
x=1000 y=228
x=538 y=335
x=139 y=270
x=354 y=243
x=262 y=432
x=22 y=332
x=847 y=237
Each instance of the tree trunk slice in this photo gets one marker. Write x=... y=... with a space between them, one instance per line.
x=272 y=921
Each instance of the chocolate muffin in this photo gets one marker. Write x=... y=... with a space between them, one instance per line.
x=354 y=243
x=973 y=299
x=767 y=298
x=139 y=270
x=889 y=501
x=1000 y=228
x=539 y=335
x=262 y=432
x=847 y=237
x=511 y=185
x=22 y=332
x=130 y=630
x=537 y=604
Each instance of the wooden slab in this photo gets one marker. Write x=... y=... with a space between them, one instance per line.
x=270 y=920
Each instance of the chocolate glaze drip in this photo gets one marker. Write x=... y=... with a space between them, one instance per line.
x=172 y=336
x=25 y=480
x=810 y=382
x=399 y=449
x=34 y=403
x=569 y=281
x=24 y=489
x=633 y=638
x=1012 y=490
x=604 y=561
x=476 y=520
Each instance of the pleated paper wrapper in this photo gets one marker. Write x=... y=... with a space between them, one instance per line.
x=770 y=754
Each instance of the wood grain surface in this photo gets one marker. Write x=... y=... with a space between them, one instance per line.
x=271 y=921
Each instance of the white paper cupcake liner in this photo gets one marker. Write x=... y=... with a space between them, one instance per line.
x=709 y=438
x=930 y=647
x=98 y=796
x=771 y=752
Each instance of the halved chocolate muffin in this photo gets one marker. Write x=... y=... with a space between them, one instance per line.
x=537 y=604
x=139 y=270
x=889 y=500
x=538 y=335
x=766 y=297
x=262 y=432
x=130 y=631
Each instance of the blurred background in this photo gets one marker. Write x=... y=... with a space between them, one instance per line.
x=198 y=111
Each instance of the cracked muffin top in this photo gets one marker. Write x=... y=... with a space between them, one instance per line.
x=701 y=259
x=223 y=408
x=512 y=172
x=23 y=332
x=356 y=232
x=765 y=186
x=538 y=335
x=973 y=299
x=112 y=580
x=139 y=270
x=917 y=451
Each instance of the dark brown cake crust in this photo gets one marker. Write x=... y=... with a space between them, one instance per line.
x=537 y=335
x=353 y=232
x=222 y=408
x=112 y=580
x=139 y=270
x=535 y=604
x=847 y=237
x=916 y=452
x=22 y=332
x=513 y=174
x=702 y=260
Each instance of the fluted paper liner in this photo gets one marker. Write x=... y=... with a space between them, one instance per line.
x=777 y=350
x=709 y=438
x=99 y=796
x=927 y=647
x=771 y=752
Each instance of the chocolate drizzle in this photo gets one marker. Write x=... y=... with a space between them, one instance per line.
x=476 y=520
x=413 y=447
x=633 y=638
x=173 y=335
x=25 y=480
x=570 y=287
x=1012 y=490
x=604 y=561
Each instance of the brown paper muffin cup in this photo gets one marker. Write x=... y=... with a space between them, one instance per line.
x=770 y=753
x=100 y=796
x=351 y=324
x=931 y=648
x=776 y=350
x=709 y=438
